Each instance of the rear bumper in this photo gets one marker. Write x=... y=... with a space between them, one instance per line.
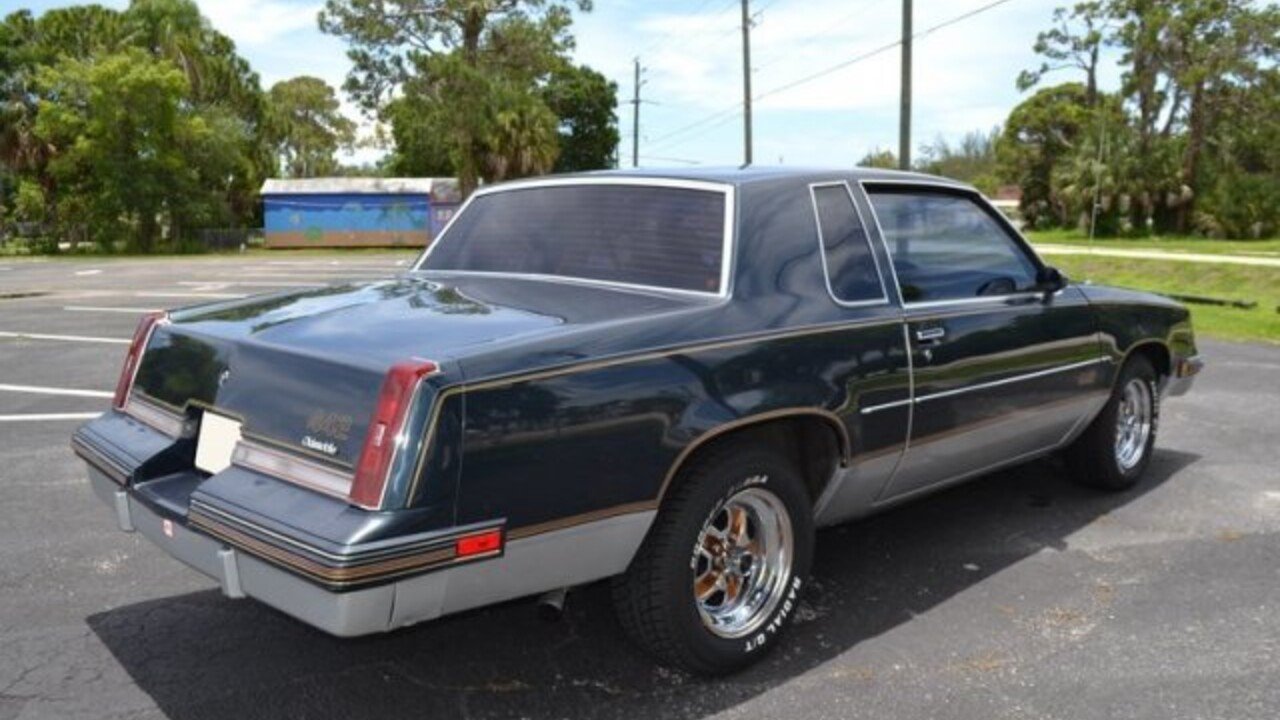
x=531 y=565
x=356 y=612
x=1183 y=377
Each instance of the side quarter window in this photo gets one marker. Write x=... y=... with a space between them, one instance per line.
x=945 y=246
x=850 y=265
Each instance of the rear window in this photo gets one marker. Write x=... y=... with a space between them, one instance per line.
x=641 y=235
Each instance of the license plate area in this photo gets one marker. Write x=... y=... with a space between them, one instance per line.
x=216 y=441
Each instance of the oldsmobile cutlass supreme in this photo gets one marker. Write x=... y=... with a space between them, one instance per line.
x=668 y=379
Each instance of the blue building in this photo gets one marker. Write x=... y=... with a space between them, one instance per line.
x=356 y=212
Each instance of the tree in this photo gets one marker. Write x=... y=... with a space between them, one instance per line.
x=973 y=160
x=1188 y=65
x=219 y=81
x=1215 y=48
x=309 y=126
x=135 y=158
x=468 y=57
x=1240 y=195
x=881 y=159
x=1074 y=42
x=1040 y=134
x=420 y=146
x=583 y=100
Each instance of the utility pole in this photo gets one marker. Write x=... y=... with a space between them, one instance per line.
x=635 y=120
x=904 y=119
x=746 y=82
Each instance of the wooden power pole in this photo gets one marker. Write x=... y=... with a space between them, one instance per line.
x=746 y=82
x=635 y=120
x=904 y=118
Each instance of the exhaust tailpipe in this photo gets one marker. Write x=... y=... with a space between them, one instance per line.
x=551 y=604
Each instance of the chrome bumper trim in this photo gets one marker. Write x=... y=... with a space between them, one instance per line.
x=1183 y=377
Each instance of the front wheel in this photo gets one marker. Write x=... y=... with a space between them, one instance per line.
x=719 y=576
x=1115 y=450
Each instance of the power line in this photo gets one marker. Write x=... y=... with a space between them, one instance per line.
x=730 y=112
x=682 y=161
x=828 y=29
x=703 y=24
x=884 y=48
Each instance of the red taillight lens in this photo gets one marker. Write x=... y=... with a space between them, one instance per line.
x=479 y=544
x=136 y=347
x=380 y=441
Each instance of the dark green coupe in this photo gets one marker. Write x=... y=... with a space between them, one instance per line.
x=667 y=379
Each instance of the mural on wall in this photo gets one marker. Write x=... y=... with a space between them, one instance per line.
x=356 y=212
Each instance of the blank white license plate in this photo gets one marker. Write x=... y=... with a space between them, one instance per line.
x=216 y=441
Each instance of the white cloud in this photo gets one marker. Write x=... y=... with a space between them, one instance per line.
x=964 y=75
x=261 y=22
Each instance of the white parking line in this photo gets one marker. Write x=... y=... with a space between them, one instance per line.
x=246 y=283
x=87 y=272
x=41 y=390
x=96 y=308
x=62 y=338
x=206 y=295
x=318 y=274
x=48 y=416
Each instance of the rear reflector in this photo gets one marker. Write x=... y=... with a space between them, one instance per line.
x=383 y=436
x=489 y=541
x=132 y=359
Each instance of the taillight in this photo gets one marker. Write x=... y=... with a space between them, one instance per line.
x=136 y=347
x=384 y=431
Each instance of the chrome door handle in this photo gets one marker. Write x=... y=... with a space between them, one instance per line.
x=931 y=335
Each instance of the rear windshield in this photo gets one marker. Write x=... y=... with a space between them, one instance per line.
x=641 y=235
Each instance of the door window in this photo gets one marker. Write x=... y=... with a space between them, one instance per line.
x=852 y=274
x=947 y=247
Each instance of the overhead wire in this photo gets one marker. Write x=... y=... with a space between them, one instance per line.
x=718 y=118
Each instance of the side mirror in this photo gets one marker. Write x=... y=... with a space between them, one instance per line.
x=1051 y=280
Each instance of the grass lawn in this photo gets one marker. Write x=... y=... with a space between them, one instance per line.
x=1235 y=282
x=1261 y=248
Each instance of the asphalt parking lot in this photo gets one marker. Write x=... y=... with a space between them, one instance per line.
x=1016 y=596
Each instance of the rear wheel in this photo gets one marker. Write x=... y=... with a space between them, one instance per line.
x=719 y=575
x=1115 y=450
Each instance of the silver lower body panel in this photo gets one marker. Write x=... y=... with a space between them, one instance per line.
x=556 y=559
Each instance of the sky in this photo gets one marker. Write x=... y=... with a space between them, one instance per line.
x=691 y=50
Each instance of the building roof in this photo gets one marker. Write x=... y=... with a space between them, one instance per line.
x=358 y=186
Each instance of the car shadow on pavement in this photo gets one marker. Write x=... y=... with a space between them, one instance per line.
x=201 y=655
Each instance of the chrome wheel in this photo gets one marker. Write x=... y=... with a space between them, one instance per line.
x=742 y=561
x=1133 y=423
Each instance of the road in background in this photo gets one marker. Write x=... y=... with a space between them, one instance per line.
x=1141 y=254
x=1016 y=596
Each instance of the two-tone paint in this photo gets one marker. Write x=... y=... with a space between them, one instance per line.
x=564 y=410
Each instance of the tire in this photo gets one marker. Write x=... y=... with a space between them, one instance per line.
x=656 y=598
x=1107 y=456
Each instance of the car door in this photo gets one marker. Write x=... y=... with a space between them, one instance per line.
x=1003 y=367
x=874 y=360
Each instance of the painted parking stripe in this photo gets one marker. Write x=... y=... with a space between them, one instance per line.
x=35 y=417
x=42 y=390
x=206 y=295
x=318 y=274
x=62 y=338
x=98 y=308
x=247 y=283
x=87 y=272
